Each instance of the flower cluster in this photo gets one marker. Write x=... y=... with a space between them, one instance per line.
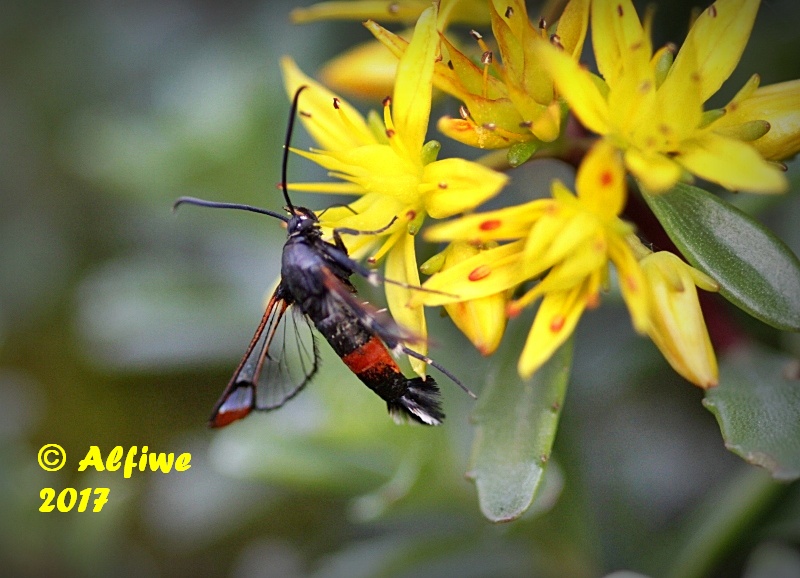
x=644 y=120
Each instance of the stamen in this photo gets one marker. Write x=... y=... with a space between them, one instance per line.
x=462 y=110
x=712 y=11
x=486 y=59
x=348 y=124
x=620 y=12
x=387 y=117
x=394 y=8
x=305 y=114
x=542 y=23
x=450 y=65
x=509 y=11
x=555 y=40
x=442 y=185
x=490 y=126
x=479 y=39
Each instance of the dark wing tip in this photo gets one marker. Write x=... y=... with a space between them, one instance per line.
x=234 y=405
x=420 y=403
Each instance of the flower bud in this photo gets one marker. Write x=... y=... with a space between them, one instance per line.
x=677 y=326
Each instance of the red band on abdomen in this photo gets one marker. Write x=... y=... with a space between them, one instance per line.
x=373 y=354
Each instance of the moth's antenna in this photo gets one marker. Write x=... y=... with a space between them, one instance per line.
x=287 y=142
x=216 y=205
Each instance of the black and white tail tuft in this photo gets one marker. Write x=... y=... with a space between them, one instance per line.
x=419 y=403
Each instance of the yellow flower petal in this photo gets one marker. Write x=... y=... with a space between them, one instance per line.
x=558 y=236
x=332 y=128
x=396 y=177
x=733 y=164
x=576 y=86
x=486 y=273
x=715 y=44
x=600 y=181
x=502 y=224
x=555 y=321
x=657 y=173
x=460 y=185
x=401 y=265
x=631 y=282
x=411 y=103
x=621 y=47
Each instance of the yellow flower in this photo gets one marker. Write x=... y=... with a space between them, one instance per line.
x=391 y=168
x=652 y=108
x=482 y=320
x=566 y=242
x=676 y=320
x=518 y=104
x=767 y=116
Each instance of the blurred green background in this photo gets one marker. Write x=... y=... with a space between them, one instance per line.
x=120 y=323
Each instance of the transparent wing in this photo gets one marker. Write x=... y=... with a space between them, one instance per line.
x=288 y=359
x=280 y=360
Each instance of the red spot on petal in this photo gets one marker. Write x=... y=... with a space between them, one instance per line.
x=631 y=283
x=442 y=185
x=490 y=224
x=620 y=12
x=557 y=323
x=593 y=301
x=606 y=178
x=389 y=132
x=480 y=272
x=411 y=215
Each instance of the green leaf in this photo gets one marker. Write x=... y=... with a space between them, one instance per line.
x=516 y=422
x=756 y=271
x=757 y=405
